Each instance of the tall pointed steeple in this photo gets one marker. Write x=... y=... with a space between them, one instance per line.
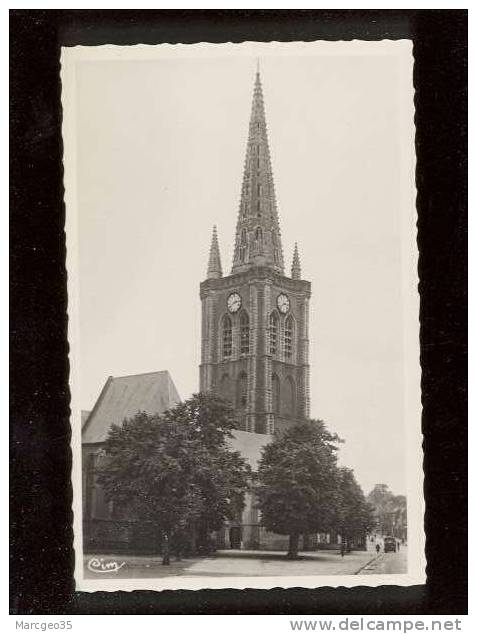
x=296 y=267
x=214 y=270
x=255 y=321
x=257 y=238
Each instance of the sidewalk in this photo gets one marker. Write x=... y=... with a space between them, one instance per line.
x=235 y=563
x=387 y=563
x=272 y=563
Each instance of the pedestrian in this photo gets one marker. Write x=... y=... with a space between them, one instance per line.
x=342 y=548
x=378 y=548
x=398 y=544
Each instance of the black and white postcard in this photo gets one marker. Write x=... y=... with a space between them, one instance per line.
x=243 y=315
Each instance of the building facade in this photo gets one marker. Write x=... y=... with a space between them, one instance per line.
x=254 y=349
x=104 y=526
x=254 y=353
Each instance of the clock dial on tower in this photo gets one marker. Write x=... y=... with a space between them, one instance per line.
x=234 y=302
x=283 y=303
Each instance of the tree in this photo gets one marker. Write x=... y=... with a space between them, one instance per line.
x=222 y=478
x=354 y=515
x=176 y=469
x=400 y=516
x=390 y=511
x=297 y=482
x=208 y=418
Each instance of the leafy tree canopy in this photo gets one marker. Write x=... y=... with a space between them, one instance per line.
x=176 y=469
x=390 y=511
x=354 y=515
x=297 y=480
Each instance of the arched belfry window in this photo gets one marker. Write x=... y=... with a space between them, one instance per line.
x=289 y=397
x=273 y=327
x=288 y=338
x=226 y=388
x=243 y=245
x=275 y=394
x=259 y=235
x=227 y=337
x=242 y=391
x=276 y=253
x=244 y=333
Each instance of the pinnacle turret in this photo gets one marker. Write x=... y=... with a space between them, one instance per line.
x=296 y=267
x=257 y=238
x=214 y=270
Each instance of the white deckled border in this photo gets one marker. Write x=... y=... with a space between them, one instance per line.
x=410 y=304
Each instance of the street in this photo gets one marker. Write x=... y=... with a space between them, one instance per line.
x=387 y=563
x=237 y=563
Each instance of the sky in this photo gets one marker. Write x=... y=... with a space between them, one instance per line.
x=160 y=148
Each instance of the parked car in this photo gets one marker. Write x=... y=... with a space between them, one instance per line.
x=389 y=544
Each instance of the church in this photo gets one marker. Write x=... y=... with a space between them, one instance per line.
x=255 y=320
x=254 y=352
x=254 y=349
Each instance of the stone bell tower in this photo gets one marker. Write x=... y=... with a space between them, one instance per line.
x=255 y=320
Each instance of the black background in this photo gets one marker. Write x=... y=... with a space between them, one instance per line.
x=42 y=556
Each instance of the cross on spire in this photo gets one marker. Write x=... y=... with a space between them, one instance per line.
x=257 y=238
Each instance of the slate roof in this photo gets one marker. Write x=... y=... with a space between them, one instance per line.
x=84 y=417
x=249 y=445
x=122 y=397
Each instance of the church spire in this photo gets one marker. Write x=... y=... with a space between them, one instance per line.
x=214 y=270
x=296 y=267
x=257 y=238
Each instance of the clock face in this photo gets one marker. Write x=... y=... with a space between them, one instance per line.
x=234 y=302
x=283 y=303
